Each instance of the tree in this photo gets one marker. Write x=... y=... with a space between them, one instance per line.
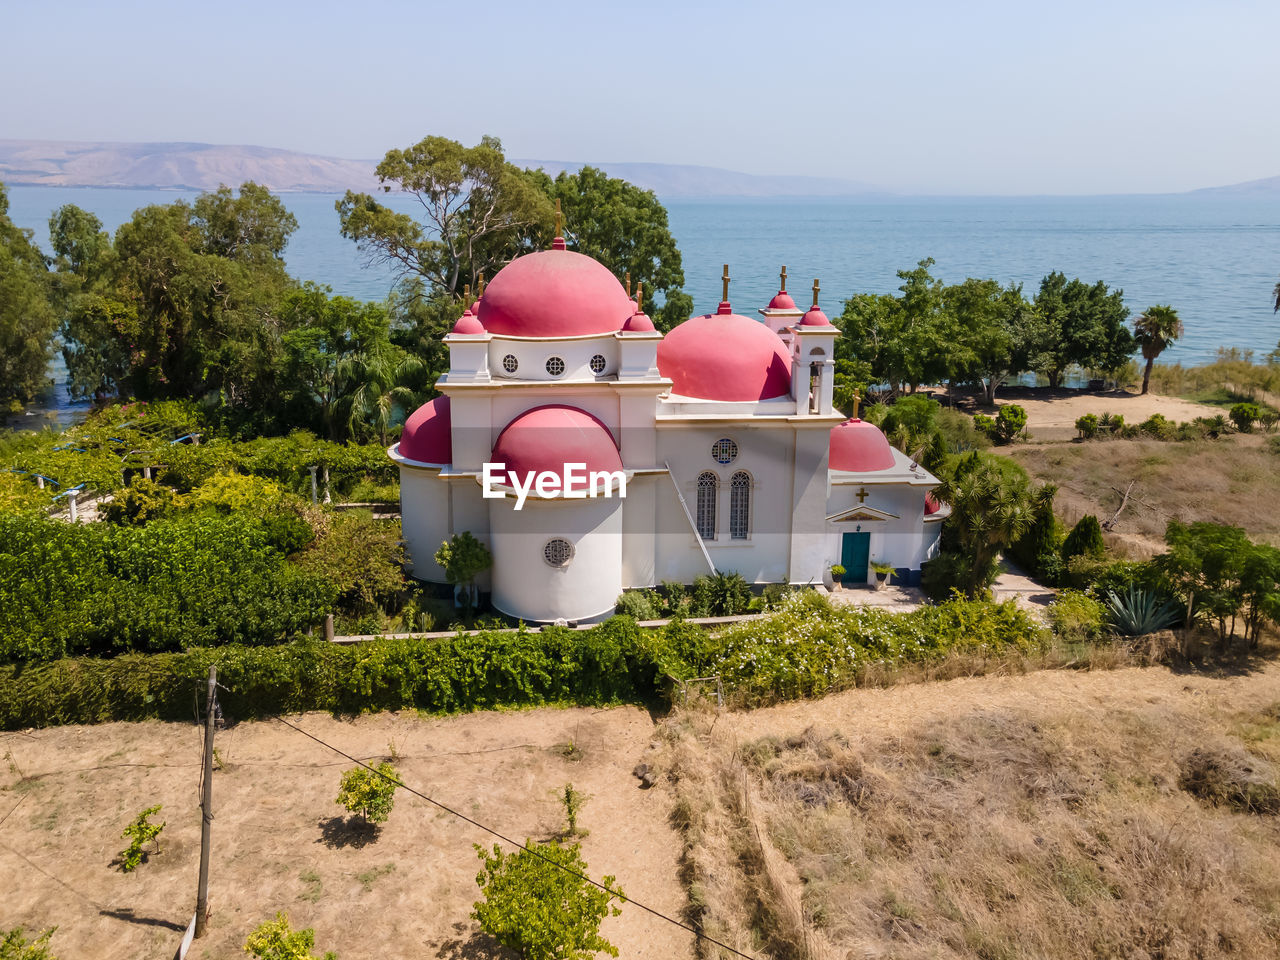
x=991 y=508
x=1085 y=539
x=625 y=228
x=1204 y=562
x=480 y=211
x=27 y=318
x=139 y=833
x=369 y=794
x=463 y=558
x=537 y=903
x=276 y=940
x=187 y=306
x=1080 y=324
x=1154 y=331
x=998 y=327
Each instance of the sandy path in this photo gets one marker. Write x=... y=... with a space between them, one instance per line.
x=407 y=894
x=1053 y=415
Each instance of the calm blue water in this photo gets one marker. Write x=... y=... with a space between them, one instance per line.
x=1215 y=258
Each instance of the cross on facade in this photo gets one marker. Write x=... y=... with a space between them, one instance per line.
x=862 y=495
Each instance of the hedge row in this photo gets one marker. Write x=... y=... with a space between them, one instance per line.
x=807 y=649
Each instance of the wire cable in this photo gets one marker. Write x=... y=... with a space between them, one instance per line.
x=516 y=843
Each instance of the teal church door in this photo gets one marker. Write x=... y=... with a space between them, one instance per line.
x=855 y=554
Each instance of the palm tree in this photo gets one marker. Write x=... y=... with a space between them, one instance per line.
x=379 y=382
x=1154 y=331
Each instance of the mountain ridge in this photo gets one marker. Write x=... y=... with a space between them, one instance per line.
x=204 y=166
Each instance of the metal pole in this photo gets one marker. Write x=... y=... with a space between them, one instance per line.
x=206 y=807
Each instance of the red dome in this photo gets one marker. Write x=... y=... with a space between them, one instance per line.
x=639 y=323
x=548 y=437
x=815 y=318
x=859 y=447
x=724 y=356
x=428 y=433
x=931 y=505
x=782 y=301
x=554 y=293
x=468 y=324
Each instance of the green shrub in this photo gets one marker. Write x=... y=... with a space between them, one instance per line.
x=720 y=595
x=1010 y=422
x=1137 y=612
x=1085 y=540
x=1111 y=424
x=1244 y=415
x=1087 y=426
x=173 y=583
x=15 y=946
x=140 y=502
x=139 y=833
x=1037 y=550
x=369 y=794
x=1159 y=427
x=537 y=904
x=639 y=605
x=276 y=940
x=1076 y=617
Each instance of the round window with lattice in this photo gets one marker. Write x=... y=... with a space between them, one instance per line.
x=724 y=451
x=510 y=363
x=598 y=363
x=558 y=552
x=555 y=366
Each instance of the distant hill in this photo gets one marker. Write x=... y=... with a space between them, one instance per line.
x=203 y=166
x=190 y=166
x=1265 y=185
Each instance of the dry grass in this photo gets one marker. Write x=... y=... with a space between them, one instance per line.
x=1234 y=480
x=1050 y=816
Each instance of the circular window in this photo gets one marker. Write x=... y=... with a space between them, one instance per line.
x=558 y=552
x=724 y=450
x=555 y=366
x=598 y=363
x=510 y=363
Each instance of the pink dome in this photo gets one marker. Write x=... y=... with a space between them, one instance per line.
x=859 y=447
x=639 y=323
x=548 y=437
x=815 y=318
x=468 y=324
x=782 y=301
x=428 y=433
x=931 y=506
x=724 y=356
x=554 y=293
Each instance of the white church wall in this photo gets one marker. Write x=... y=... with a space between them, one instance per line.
x=808 y=555
x=639 y=544
x=532 y=357
x=526 y=586
x=424 y=509
x=903 y=541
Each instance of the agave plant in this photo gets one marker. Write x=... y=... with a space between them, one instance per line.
x=1138 y=611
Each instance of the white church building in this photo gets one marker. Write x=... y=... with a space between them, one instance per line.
x=593 y=454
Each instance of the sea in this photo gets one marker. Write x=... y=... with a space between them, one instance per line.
x=1213 y=256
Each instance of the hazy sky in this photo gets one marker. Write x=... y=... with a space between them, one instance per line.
x=938 y=97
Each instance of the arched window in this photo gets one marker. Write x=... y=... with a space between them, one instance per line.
x=815 y=387
x=708 y=487
x=740 y=505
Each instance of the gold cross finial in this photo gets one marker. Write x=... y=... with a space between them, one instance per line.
x=559 y=219
x=815 y=292
x=862 y=495
x=639 y=297
x=466 y=294
x=857 y=399
x=627 y=276
x=783 y=275
x=480 y=286
x=724 y=284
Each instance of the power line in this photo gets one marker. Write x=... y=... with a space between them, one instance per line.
x=516 y=843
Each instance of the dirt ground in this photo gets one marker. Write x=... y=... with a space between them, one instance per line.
x=279 y=843
x=1052 y=414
